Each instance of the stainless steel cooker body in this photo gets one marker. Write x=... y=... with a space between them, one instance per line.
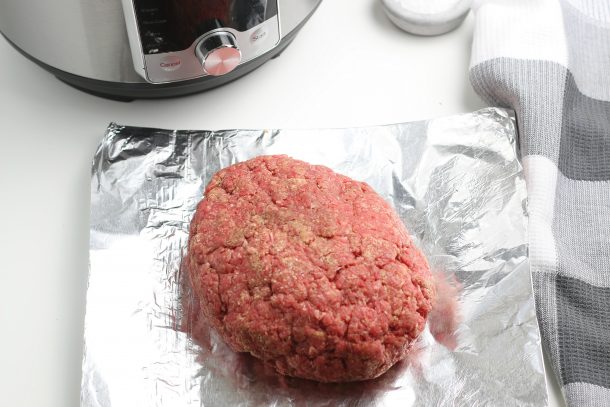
x=151 y=48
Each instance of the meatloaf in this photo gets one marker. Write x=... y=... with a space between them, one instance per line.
x=307 y=269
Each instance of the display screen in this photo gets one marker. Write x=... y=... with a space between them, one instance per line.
x=173 y=25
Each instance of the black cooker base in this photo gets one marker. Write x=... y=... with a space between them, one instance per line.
x=129 y=91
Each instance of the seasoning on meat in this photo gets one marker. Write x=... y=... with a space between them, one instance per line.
x=308 y=270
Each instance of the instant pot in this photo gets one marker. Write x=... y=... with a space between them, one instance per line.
x=129 y=49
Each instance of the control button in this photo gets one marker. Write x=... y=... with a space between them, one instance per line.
x=259 y=36
x=170 y=63
x=218 y=53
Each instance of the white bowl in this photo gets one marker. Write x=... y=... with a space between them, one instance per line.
x=431 y=17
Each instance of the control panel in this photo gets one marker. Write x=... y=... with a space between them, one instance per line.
x=176 y=40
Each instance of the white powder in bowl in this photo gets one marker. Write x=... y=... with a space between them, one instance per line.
x=429 y=6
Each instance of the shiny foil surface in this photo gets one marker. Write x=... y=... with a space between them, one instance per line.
x=455 y=182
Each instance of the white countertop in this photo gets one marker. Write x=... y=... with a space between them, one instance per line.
x=349 y=66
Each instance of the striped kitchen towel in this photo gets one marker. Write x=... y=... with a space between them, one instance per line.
x=550 y=61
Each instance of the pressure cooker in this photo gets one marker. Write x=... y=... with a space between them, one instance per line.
x=130 y=49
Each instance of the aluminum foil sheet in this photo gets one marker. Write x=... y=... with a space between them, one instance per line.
x=455 y=182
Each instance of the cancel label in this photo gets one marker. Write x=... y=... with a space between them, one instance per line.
x=170 y=63
x=258 y=35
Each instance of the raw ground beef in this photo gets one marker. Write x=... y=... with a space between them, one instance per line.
x=308 y=270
